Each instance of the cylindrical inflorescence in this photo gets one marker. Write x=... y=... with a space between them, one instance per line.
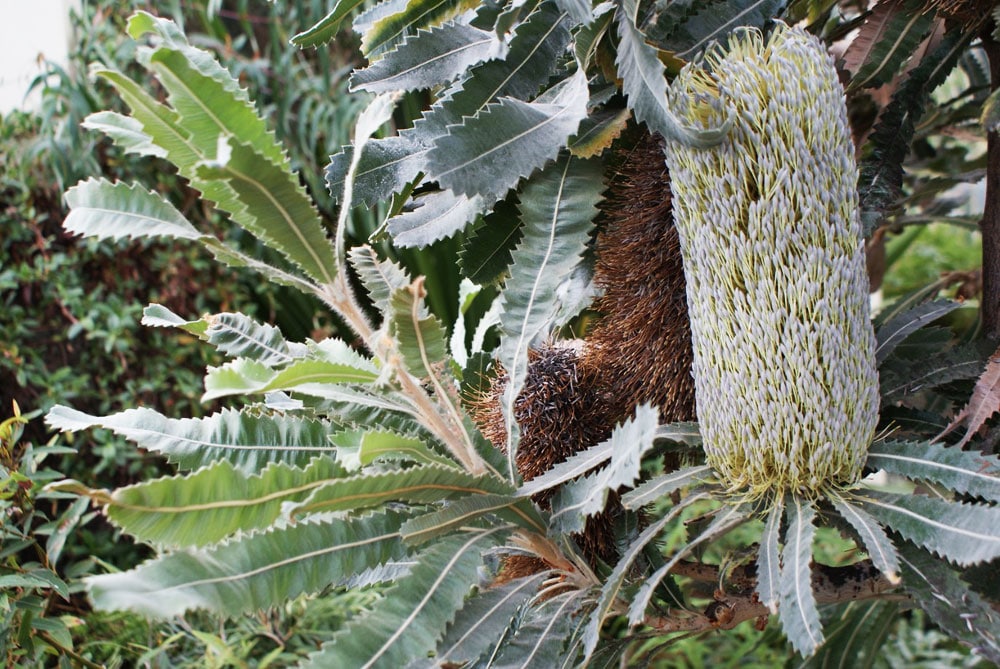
x=785 y=378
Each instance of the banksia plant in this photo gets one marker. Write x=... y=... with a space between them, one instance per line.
x=784 y=363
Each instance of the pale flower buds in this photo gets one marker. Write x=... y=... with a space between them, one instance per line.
x=785 y=378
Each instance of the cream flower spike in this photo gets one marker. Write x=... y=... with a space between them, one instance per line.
x=784 y=366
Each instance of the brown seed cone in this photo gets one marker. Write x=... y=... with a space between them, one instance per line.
x=641 y=347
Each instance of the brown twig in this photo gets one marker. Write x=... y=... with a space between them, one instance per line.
x=739 y=603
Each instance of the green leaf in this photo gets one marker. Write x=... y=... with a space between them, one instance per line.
x=950 y=603
x=437 y=216
x=386 y=445
x=244 y=377
x=326 y=29
x=237 y=259
x=557 y=209
x=485 y=619
x=969 y=472
x=386 y=166
x=657 y=488
x=725 y=519
x=890 y=335
x=854 y=640
x=963 y=533
x=253 y=572
x=415 y=485
x=899 y=378
x=615 y=582
x=541 y=637
x=246 y=441
x=769 y=558
x=464 y=511
x=713 y=22
x=644 y=82
x=126 y=132
x=275 y=208
x=419 y=335
x=429 y=58
x=881 y=173
x=99 y=208
x=408 y=621
x=489 y=153
x=797 y=608
x=486 y=254
x=873 y=538
x=990 y=116
x=417 y=14
x=578 y=500
x=212 y=503
x=381 y=278
x=889 y=36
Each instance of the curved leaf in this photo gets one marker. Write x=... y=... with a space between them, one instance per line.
x=887 y=39
x=210 y=504
x=436 y=216
x=713 y=22
x=416 y=14
x=769 y=558
x=464 y=511
x=797 y=609
x=429 y=58
x=248 y=442
x=541 y=637
x=890 y=335
x=326 y=29
x=873 y=538
x=99 y=208
x=410 y=619
x=963 y=533
x=243 y=377
x=657 y=488
x=488 y=154
x=969 y=472
x=126 y=132
x=253 y=572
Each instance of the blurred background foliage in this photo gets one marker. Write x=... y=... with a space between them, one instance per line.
x=71 y=311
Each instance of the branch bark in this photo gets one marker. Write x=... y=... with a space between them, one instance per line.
x=739 y=603
x=990 y=224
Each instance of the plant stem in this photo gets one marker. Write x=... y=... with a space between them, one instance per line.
x=990 y=224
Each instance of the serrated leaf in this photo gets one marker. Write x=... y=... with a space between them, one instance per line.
x=644 y=82
x=881 y=173
x=381 y=278
x=235 y=258
x=106 y=210
x=484 y=620
x=126 y=132
x=158 y=316
x=797 y=608
x=714 y=22
x=597 y=132
x=985 y=401
x=275 y=208
x=386 y=445
x=410 y=619
x=326 y=28
x=489 y=153
x=968 y=472
x=461 y=512
x=873 y=538
x=854 y=640
x=614 y=583
x=656 y=488
x=417 y=14
x=557 y=209
x=890 y=335
x=486 y=254
x=436 y=216
x=243 y=377
x=769 y=558
x=214 y=502
x=386 y=166
x=725 y=519
x=541 y=637
x=419 y=335
x=415 y=485
x=429 y=58
x=246 y=441
x=888 y=37
x=253 y=572
x=950 y=603
x=899 y=379
x=578 y=500
x=963 y=533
